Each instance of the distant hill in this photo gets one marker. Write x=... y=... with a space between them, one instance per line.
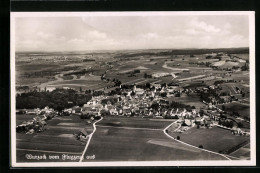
x=166 y=52
x=142 y=52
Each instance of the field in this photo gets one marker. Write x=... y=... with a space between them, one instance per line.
x=134 y=123
x=116 y=139
x=242 y=56
x=213 y=139
x=193 y=100
x=242 y=153
x=142 y=142
x=56 y=140
x=187 y=69
x=242 y=109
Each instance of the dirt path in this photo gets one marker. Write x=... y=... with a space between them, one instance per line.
x=89 y=138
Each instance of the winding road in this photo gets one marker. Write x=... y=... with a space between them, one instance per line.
x=163 y=130
x=89 y=139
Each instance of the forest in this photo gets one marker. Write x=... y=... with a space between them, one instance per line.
x=57 y=99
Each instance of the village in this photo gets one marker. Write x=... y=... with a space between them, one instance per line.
x=148 y=101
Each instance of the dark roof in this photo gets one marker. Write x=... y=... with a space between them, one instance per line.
x=84 y=132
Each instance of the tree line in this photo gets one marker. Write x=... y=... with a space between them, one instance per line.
x=57 y=99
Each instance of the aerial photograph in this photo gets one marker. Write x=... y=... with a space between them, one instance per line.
x=131 y=88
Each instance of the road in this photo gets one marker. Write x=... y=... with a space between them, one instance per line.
x=89 y=139
x=164 y=131
x=131 y=140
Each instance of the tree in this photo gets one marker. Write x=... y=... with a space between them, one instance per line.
x=201 y=112
x=136 y=71
x=60 y=108
x=240 y=125
x=245 y=67
x=125 y=94
x=147 y=85
x=235 y=114
x=155 y=106
x=177 y=95
x=103 y=113
x=178 y=138
x=117 y=82
x=231 y=124
x=223 y=107
x=164 y=94
x=132 y=93
x=163 y=85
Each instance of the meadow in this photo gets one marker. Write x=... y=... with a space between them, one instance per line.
x=242 y=109
x=57 y=139
x=213 y=139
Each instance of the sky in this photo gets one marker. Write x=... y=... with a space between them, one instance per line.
x=130 y=32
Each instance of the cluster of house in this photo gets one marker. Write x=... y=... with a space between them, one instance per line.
x=74 y=110
x=214 y=116
x=37 y=123
x=237 y=131
x=140 y=104
x=137 y=101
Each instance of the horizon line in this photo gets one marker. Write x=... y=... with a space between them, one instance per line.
x=130 y=50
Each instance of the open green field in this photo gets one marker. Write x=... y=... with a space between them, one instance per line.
x=131 y=143
x=242 y=109
x=134 y=123
x=56 y=140
x=192 y=99
x=213 y=139
x=85 y=82
x=243 y=56
x=242 y=153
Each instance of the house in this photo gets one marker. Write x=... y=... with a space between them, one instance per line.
x=127 y=111
x=199 y=120
x=86 y=107
x=31 y=112
x=76 y=109
x=194 y=111
x=69 y=111
x=184 y=123
x=21 y=111
x=46 y=110
x=139 y=91
x=235 y=130
x=189 y=122
x=83 y=135
x=113 y=111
